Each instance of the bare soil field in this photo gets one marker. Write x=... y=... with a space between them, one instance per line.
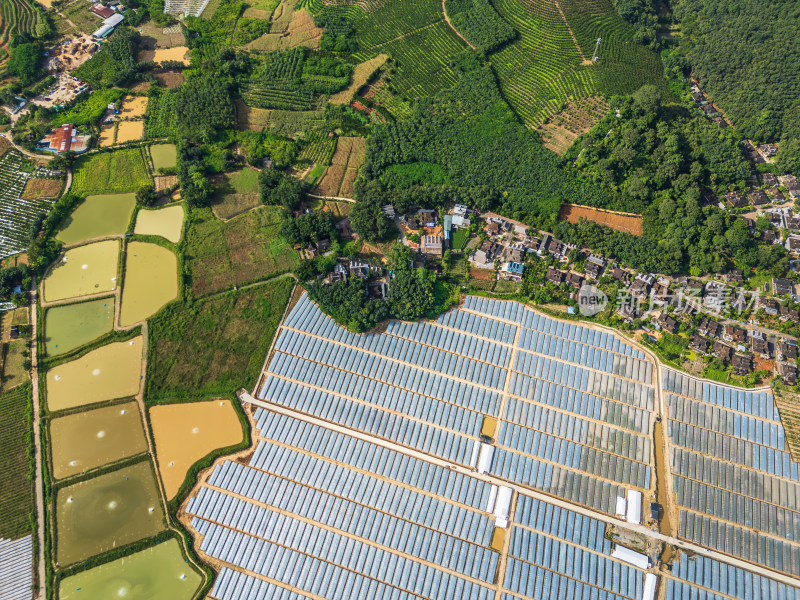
x=108 y=132
x=169 y=79
x=128 y=131
x=133 y=107
x=625 y=222
x=251 y=118
x=348 y=158
x=578 y=117
x=179 y=53
x=300 y=31
x=361 y=74
x=42 y=188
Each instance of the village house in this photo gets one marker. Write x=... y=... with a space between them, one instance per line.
x=734 y=277
x=427 y=216
x=532 y=244
x=769 y=305
x=667 y=323
x=775 y=195
x=339 y=273
x=431 y=245
x=358 y=268
x=770 y=236
x=699 y=344
x=787 y=349
x=485 y=255
x=794 y=189
x=782 y=287
x=788 y=372
x=768 y=179
x=512 y=271
x=544 y=244
x=515 y=253
x=742 y=363
x=722 y=351
x=758 y=197
x=628 y=312
x=789 y=314
x=759 y=344
x=768 y=150
x=731 y=333
x=388 y=210
x=641 y=286
x=793 y=243
x=555 y=248
x=660 y=291
x=709 y=110
x=716 y=296
x=575 y=280
x=554 y=276
x=494 y=229
x=621 y=275
x=735 y=199
x=594 y=266
x=709 y=327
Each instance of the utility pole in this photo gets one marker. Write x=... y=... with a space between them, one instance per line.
x=596 y=48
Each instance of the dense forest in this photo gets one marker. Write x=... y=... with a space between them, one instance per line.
x=475 y=139
x=654 y=159
x=746 y=55
x=655 y=150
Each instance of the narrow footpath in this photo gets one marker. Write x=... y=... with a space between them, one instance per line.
x=37 y=439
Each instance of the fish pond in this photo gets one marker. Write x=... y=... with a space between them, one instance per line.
x=93 y=438
x=97 y=216
x=157 y=573
x=107 y=512
x=185 y=433
x=151 y=281
x=165 y=222
x=82 y=271
x=108 y=372
x=70 y=326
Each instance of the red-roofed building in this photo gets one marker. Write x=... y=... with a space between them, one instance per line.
x=63 y=139
x=101 y=10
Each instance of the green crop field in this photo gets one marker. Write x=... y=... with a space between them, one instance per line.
x=318 y=148
x=221 y=255
x=214 y=346
x=119 y=171
x=160 y=117
x=545 y=66
x=16 y=483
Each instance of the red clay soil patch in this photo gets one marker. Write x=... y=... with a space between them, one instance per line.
x=169 y=79
x=484 y=274
x=625 y=222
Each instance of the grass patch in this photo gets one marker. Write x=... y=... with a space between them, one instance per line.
x=460 y=238
x=236 y=193
x=105 y=172
x=215 y=346
x=16 y=482
x=220 y=255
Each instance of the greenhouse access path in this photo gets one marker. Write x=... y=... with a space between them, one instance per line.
x=40 y=524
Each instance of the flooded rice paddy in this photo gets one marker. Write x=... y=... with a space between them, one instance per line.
x=151 y=281
x=108 y=372
x=72 y=325
x=185 y=433
x=93 y=438
x=82 y=271
x=165 y=222
x=157 y=573
x=105 y=512
x=106 y=214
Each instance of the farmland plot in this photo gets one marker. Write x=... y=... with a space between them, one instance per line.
x=339 y=179
x=120 y=171
x=16 y=485
x=16 y=214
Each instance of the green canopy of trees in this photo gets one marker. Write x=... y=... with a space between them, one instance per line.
x=203 y=107
x=348 y=304
x=471 y=132
x=26 y=62
x=746 y=55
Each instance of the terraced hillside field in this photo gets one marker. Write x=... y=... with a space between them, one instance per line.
x=415 y=33
x=550 y=61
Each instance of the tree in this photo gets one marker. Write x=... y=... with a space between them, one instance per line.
x=647 y=98
x=370 y=222
x=411 y=293
x=146 y=195
x=25 y=62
